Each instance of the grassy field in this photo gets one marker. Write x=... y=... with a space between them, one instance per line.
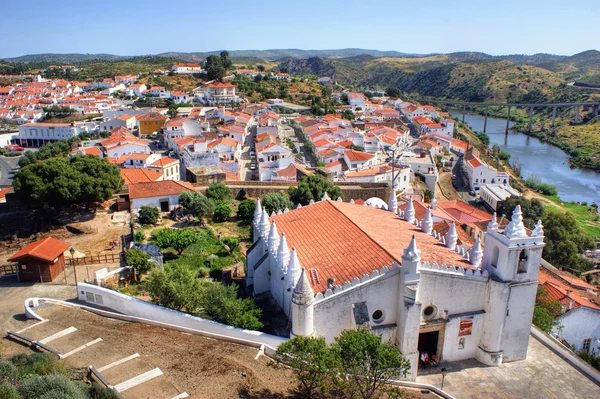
x=587 y=215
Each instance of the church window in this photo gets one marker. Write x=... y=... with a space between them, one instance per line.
x=587 y=343
x=378 y=316
x=522 y=266
x=495 y=256
x=429 y=312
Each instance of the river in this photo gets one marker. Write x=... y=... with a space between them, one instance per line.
x=545 y=160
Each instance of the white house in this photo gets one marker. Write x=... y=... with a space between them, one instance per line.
x=495 y=194
x=357 y=160
x=479 y=173
x=126 y=121
x=163 y=195
x=180 y=97
x=332 y=266
x=186 y=68
x=38 y=134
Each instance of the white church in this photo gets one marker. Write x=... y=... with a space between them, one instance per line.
x=333 y=266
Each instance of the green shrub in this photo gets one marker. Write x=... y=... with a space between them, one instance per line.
x=222 y=212
x=38 y=363
x=246 y=209
x=503 y=155
x=139 y=236
x=218 y=192
x=220 y=303
x=148 y=215
x=8 y=370
x=52 y=386
x=9 y=391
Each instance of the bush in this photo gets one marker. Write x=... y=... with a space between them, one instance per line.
x=52 y=386
x=178 y=239
x=220 y=303
x=313 y=188
x=139 y=236
x=222 y=212
x=139 y=260
x=175 y=287
x=503 y=155
x=196 y=204
x=38 y=363
x=148 y=215
x=218 y=192
x=246 y=210
x=8 y=370
x=231 y=244
x=9 y=391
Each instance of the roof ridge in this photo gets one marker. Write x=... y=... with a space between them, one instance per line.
x=364 y=232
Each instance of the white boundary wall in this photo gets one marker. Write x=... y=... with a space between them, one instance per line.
x=135 y=307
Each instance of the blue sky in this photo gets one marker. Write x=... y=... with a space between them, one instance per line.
x=136 y=27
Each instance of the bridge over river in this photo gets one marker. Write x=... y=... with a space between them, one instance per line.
x=577 y=108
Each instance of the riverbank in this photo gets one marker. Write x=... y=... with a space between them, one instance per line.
x=586 y=215
x=581 y=141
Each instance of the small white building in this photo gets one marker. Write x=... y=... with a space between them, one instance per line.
x=494 y=195
x=38 y=134
x=186 y=68
x=163 y=195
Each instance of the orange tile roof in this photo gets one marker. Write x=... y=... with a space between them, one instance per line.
x=133 y=176
x=564 y=293
x=158 y=189
x=475 y=162
x=354 y=155
x=290 y=171
x=164 y=161
x=4 y=191
x=344 y=241
x=464 y=213
x=47 y=249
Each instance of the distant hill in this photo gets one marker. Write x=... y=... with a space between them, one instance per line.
x=63 y=58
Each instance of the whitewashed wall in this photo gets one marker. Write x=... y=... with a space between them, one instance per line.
x=334 y=314
x=135 y=307
x=137 y=203
x=452 y=351
x=450 y=292
x=579 y=324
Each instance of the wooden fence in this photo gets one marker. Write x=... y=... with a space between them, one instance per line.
x=95 y=259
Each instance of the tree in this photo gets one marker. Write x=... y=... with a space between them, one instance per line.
x=348 y=114
x=311 y=361
x=225 y=61
x=220 y=303
x=178 y=239
x=196 y=204
x=364 y=363
x=218 y=192
x=546 y=311
x=222 y=212
x=176 y=287
x=246 y=209
x=139 y=260
x=59 y=182
x=231 y=244
x=214 y=68
x=532 y=210
x=485 y=139
x=274 y=202
x=260 y=67
x=99 y=180
x=565 y=241
x=313 y=187
x=392 y=92
x=147 y=215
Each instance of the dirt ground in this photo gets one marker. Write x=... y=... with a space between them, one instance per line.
x=204 y=368
x=99 y=229
x=446 y=191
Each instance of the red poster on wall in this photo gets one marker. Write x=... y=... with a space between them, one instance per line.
x=465 y=327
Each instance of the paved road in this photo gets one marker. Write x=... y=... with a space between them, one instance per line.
x=245 y=160
x=462 y=186
x=8 y=168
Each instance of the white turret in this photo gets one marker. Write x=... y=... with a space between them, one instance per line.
x=302 y=307
x=516 y=228
x=411 y=261
x=476 y=254
x=264 y=225
x=538 y=230
x=294 y=269
x=273 y=239
x=273 y=213
x=409 y=211
x=433 y=203
x=427 y=222
x=393 y=202
x=257 y=212
x=493 y=224
x=283 y=254
x=351 y=200
x=312 y=201
x=325 y=197
x=339 y=199
x=451 y=236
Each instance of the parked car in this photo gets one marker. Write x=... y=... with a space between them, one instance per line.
x=472 y=193
x=252 y=154
x=252 y=166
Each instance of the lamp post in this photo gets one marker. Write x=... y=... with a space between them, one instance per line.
x=72 y=252
x=444 y=371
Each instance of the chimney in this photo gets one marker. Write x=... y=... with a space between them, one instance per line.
x=568 y=293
